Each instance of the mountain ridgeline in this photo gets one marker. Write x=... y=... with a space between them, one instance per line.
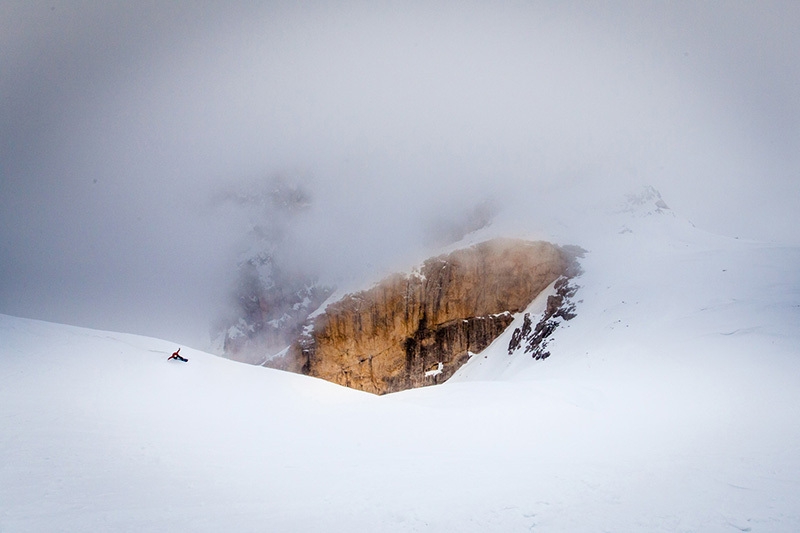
x=412 y=330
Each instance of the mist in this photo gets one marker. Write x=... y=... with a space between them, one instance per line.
x=122 y=126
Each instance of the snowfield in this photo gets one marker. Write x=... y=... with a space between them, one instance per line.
x=669 y=404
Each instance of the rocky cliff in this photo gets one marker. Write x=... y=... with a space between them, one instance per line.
x=414 y=330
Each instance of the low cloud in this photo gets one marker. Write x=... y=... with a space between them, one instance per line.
x=124 y=127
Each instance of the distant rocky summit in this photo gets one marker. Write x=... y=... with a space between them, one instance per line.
x=412 y=330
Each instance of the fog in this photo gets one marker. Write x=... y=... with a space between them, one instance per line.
x=127 y=129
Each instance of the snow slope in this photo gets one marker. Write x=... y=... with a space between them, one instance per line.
x=668 y=404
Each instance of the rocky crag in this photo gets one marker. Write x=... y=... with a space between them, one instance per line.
x=560 y=308
x=415 y=330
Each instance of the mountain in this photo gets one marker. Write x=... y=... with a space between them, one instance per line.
x=667 y=403
x=415 y=330
x=272 y=296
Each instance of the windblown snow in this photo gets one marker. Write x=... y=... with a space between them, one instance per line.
x=668 y=404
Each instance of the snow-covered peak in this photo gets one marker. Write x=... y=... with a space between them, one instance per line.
x=646 y=202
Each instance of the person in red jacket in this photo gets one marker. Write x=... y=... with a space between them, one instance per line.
x=177 y=356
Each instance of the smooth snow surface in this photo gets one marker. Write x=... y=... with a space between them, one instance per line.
x=668 y=404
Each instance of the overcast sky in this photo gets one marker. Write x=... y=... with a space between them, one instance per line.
x=121 y=122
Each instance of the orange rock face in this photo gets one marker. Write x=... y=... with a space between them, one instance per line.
x=415 y=330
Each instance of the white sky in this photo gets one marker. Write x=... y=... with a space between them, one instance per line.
x=119 y=122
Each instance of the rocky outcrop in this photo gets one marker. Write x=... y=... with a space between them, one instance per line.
x=415 y=330
x=560 y=308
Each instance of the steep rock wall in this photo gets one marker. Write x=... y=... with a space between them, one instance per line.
x=414 y=330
